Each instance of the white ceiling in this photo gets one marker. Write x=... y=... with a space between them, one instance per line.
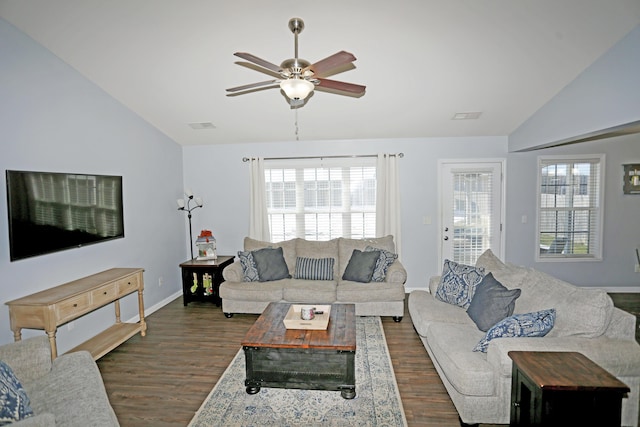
x=422 y=61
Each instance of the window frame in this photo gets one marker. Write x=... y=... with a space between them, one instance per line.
x=302 y=192
x=596 y=254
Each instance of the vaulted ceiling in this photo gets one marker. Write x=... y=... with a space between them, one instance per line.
x=422 y=61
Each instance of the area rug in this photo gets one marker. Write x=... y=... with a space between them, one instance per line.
x=377 y=402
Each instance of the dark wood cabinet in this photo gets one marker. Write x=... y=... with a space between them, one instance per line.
x=201 y=279
x=562 y=389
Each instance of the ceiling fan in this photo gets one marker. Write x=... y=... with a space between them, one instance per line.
x=297 y=77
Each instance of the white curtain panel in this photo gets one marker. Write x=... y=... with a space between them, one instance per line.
x=258 y=221
x=388 y=199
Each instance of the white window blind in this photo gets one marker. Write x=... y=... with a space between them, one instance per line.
x=321 y=199
x=570 y=207
x=472 y=214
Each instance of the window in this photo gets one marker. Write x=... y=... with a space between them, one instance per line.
x=570 y=194
x=321 y=199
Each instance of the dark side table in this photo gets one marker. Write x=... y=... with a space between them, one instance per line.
x=563 y=389
x=199 y=273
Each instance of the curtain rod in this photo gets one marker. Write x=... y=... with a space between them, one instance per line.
x=246 y=159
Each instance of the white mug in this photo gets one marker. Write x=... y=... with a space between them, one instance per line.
x=307 y=313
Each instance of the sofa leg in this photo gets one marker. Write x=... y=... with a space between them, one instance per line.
x=463 y=424
x=228 y=315
x=397 y=319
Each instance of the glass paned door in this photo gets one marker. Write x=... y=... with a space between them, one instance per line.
x=471 y=210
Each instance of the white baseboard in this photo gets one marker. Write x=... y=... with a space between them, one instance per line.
x=155 y=307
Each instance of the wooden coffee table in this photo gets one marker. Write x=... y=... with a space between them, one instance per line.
x=302 y=359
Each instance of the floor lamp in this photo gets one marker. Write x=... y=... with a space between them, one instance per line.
x=188 y=208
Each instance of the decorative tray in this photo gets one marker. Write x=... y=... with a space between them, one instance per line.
x=320 y=322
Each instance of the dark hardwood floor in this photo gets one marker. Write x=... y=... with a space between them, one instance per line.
x=163 y=378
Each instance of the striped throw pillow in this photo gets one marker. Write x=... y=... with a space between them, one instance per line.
x=314 y=268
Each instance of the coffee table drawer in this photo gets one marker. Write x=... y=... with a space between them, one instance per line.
x=309 y=369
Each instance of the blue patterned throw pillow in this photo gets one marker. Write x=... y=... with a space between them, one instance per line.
x=249 y=269
x=458 y=283
x=314 y=268
x=537 y=324
x=14 y=403
x=385 y=259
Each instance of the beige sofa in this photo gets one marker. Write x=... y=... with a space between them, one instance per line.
x=384 y=298
x=67 y=391
x=480 y=383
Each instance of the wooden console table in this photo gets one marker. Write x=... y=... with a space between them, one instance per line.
x=562 y=389
x=56 y=306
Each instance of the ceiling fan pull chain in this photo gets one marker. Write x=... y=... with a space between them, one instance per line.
x=296 y=124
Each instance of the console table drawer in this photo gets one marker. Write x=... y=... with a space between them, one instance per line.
x=73 y=307
x=128 y=285
x=104 y=295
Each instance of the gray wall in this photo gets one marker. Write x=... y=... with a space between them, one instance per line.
x=605 y=95
x=52 y=119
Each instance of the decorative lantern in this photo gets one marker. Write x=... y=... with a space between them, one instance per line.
x=206 y=244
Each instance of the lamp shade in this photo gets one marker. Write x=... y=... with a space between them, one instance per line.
x=296 y=88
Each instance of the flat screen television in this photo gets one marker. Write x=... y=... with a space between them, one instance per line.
x=50 y=211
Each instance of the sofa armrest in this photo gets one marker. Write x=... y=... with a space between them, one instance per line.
x=396 y=273
x=233 y=272
x=29 y=359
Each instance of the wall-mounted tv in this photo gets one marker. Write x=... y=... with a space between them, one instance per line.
x=50 y=211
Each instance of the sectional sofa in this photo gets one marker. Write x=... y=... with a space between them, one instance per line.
x=317 y=272
x=479 y=383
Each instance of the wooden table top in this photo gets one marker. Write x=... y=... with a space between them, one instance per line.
x=564 y=370
x=206 y=263
x=269 y=330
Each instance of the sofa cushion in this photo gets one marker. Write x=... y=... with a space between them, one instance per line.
x=310 y=291
x=249 y=269
x=510 y=275
x=468 y=372
x=579 y=311
x=536 y=324
x=270 y=264
x=314 y=268
x=346 y=247
x=458 y=283
x=318 y=249
x=361 y=265
x=14 y=402
x=385 y=259
x=355 y=292
x=250 y=291
x=288 y=249
x=491 y=303
x=425 y=310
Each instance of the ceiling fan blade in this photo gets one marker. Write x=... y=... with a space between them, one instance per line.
x=253 y=85
x=330 y=62
x=341 y=86
x=252 y=58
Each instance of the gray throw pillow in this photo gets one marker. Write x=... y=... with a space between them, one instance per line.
x=491 y=303
x=361 y=266
x=270 y=264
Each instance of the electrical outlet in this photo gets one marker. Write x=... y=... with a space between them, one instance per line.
x=70 y=326
x=160 y=281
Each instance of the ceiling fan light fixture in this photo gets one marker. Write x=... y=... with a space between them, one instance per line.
x=296 y=88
